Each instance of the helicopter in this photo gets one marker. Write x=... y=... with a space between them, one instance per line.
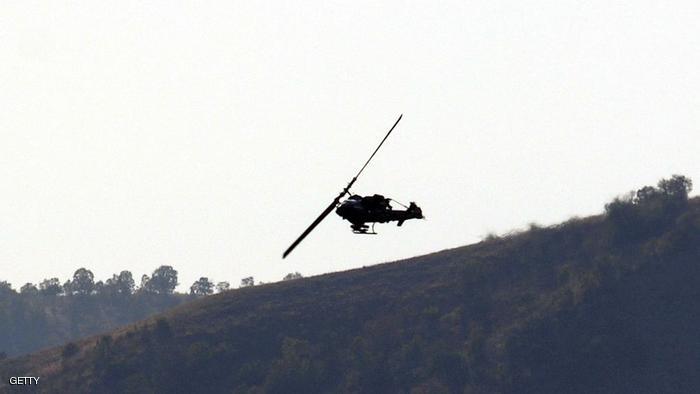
x=359 y=210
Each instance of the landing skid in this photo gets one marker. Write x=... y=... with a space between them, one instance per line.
x=363 y=229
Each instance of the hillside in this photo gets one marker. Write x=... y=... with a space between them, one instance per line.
x=601 y=304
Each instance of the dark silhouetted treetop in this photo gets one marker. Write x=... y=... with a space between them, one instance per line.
x=678 y=187
x=125 y=283
x=122 y=284
x=222 y=286
x=67 y=288
x=6 y=288
x=669 y=191
x=99 y=287
x=162 y=281
x=292 y=275
x=50 y=287
x=29 y=289
x=202 y=287
x=83 y=282
x=650 y=209
x=143 y=287
x=246 y=282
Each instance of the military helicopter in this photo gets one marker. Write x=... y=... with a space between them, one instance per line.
x=360 y=210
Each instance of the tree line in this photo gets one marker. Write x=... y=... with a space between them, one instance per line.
x=163 y=280
x=53 y=312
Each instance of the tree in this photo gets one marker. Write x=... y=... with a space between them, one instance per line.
x=100 y=287
x=292 y=275
x=298 y=370
x=68 y=288
x=677 y=187
x=222 y=286
x=125 y=283
x=163 y=280
x=649 y=210
x=29 y=289
x=646 y=194
x=202 y=287
x=50 y=287
x=246 y=282
x=122 y=284
x=144 y=283
x=83 y=282
x=5 y=288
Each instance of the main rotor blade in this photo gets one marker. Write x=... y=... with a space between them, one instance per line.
x=337 y=199
x=380 y=145
x=312 y=226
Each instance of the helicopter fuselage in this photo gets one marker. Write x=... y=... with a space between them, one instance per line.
x=360 y=210
x=374 y=209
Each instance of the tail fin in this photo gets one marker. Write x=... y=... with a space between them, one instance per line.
x=415 y=210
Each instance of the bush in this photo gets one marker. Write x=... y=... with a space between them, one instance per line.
x=650 y=209
x=69 y=350
x=162 y=329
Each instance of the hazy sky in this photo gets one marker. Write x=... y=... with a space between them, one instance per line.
x=208 y=135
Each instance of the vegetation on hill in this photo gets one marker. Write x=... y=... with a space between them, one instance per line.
x=52 y=313
x=601 y=304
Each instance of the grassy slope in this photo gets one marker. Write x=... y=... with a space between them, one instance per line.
x=565 y=308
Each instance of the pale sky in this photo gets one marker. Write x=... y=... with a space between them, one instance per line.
x=208 y=135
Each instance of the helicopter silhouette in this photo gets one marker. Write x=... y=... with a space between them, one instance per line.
x=360 y=210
